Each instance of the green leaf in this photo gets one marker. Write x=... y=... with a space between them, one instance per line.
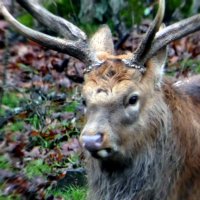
x=26 y=19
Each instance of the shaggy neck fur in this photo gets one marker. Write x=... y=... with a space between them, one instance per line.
x=145 y=178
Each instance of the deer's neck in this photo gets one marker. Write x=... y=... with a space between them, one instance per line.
x=149 y=175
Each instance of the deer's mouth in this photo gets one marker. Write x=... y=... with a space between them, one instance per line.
x=95 y=145
x=103 y=153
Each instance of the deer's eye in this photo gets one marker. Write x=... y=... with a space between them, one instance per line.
x=84 y=102
x=133 y=100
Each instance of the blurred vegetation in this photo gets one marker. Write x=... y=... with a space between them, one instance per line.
x=72 y=193
x=89 y=14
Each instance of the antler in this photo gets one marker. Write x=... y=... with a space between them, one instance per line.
x=74 y=42
x=55 y=23
x=153 y=42
x=173 y=32
x=138 y=57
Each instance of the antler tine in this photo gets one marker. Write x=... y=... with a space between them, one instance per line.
x=77 y=49
x=173 y=32
x=145 y=44
x=55 y=23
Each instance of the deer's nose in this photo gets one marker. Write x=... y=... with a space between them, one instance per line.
x=92 y=142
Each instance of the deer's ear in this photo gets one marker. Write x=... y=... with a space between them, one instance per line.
x=155 y=66
x=101 y=42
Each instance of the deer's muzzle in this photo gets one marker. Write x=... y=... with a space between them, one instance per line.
x=92 y=142
x=95 y=144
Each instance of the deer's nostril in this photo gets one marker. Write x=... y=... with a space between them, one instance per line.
x=92 y=142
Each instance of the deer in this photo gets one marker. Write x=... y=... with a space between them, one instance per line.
x=141 y=136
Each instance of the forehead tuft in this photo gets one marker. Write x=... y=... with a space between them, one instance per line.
x=112 y=72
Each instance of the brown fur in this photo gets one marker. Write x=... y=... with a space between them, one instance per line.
x=186 y=116
x=158 y=156
x=150 y=149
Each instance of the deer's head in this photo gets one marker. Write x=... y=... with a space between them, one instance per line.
x=122 y=101
x=124 y=106
x=121 y=95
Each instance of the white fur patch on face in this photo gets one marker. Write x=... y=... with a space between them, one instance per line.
x=132 y=110
x=103 y=153
x=135 y=108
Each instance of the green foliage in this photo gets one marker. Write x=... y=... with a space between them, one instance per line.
x=26 y=19
x=187 y=65
x=37 y=168
x=76 y=194
x=133 y=12
x=35 y=121
x=101 y=8
x=2 y=112
x=27 y=68
x=4 y=163
x=181 y=8
x=173 y=4
x=65 y=8
x=72 y=106
x=16 y=126
x=10 y=197
x=40 y=141
x=192 y=64
x=72 y=193
x=197 y=69
x=73 y=159
x=89 y=14
x=10 y=99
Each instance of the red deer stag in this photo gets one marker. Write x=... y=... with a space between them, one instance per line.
x=142 y=135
